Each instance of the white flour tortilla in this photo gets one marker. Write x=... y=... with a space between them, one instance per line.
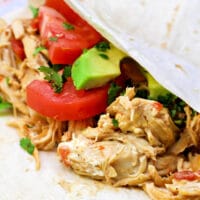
x=20 y=181
x=163 y=36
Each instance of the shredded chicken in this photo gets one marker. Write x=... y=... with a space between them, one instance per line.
x=121 y=155
x=18 y=29
x=16 y=74
x=145 y=149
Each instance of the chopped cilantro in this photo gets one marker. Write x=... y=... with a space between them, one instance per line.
x=7 y=81
x=176 y=108
x=4 y=105
x=68 y=26
x=53 y=39
x=66 y=73
x=115 y=123
x=104 y=56
x=57 y=67
x=103 y=46
x=194 y=112
x=27 y=145
x=173 y=113
x=143 y=93
x=179 y=122
x=167 y=99
x=38 y=50
x=53 y=77
x=113 y=92
x=34 y=11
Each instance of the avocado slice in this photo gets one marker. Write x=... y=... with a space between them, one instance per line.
x=155 y=89
x=97 y=66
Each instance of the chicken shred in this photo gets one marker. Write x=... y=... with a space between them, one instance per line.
x=146 y=149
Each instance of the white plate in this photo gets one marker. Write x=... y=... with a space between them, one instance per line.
x=20 y=181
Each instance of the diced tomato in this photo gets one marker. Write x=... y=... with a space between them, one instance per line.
x=18 y=48
x=185 y=175
x=65 y=51
x=35 y=23
x=70 y=104
x=62 y=7
x=50 y=22
x=65 y=45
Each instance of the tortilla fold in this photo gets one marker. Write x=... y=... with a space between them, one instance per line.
x=163 y=36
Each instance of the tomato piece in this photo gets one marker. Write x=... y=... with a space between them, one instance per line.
x=18 y=48
x=90 y=34
x=185 y=175
x=62 y=7
x=70 y=104
x=72 y=17
x=65 y=45
x=35 y=23
x=50 y=22
x=65 y=51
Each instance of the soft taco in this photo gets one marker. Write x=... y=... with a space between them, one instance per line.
x=113 y=88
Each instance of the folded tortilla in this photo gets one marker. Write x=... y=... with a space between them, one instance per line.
x=20 y=180
x=163 y=36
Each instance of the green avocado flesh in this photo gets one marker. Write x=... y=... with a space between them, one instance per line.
x=95 y=68
x=155 y=89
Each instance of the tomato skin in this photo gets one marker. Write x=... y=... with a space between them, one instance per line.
x=35 y=23
x=70 y=104
x=50 y=22
x=82 y=27
x=65 y=51
x=65 y=10
x=69 y=44
x=18 y=48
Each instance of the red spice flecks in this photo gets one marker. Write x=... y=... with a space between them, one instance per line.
x=64 y=152
x=186 y=175
x=158 y=106
x=101 y=147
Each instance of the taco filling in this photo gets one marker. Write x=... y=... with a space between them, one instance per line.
x=108 y=118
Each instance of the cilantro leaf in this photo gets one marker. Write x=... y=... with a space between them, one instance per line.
x=66 y=73
x=53 y=39
x=52 y=77
x=115 y=123
x=103 y=46
x=113 y=92
x=34 y=11
x=4 y=105
x=68 y=26
x=7 y=81
x=104 y=56
x=56 y=67
x=38 y=50
x=27 y=145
